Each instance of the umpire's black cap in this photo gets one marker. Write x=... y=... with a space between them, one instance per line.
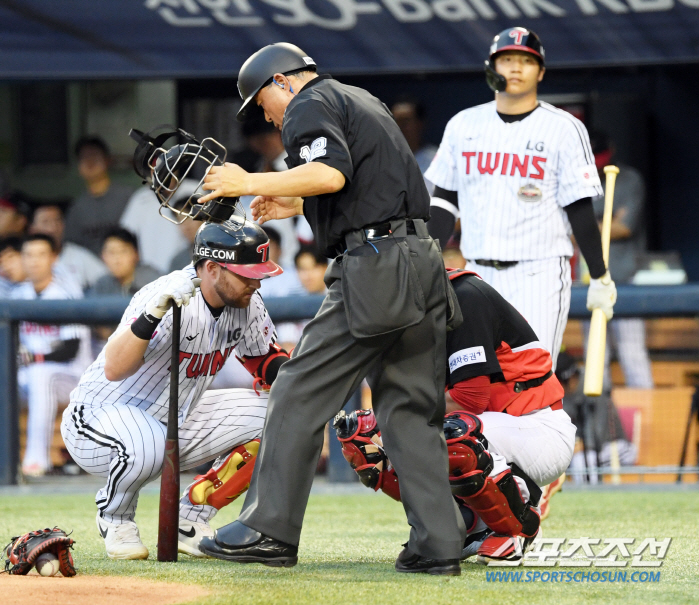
x=260 y=68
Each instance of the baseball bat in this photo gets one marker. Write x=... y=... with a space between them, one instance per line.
x=597 y=339
x=168 y=520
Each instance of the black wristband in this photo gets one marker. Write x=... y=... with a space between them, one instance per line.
x=144 y=326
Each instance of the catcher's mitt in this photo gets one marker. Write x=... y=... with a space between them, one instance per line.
x=23 y=551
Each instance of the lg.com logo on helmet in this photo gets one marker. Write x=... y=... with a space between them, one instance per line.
x=215 y=254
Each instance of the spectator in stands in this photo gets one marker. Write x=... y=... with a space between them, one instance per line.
x=410 y=114
x=81 y=265
x=288 y=283
x=627 y=336
x=99 y=208
x=126 y=274
x=52 y=358
x=311 y=266
x=11 y=268
x=159 y=239
x=597 y=422
x=188 y=231
x=15 y=213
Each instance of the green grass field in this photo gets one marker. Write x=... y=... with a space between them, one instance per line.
x=349 y=545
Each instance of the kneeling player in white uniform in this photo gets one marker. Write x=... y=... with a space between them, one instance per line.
x=513 y=438
x=115 y=424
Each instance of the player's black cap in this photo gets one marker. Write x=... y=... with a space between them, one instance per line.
x=237 y=244
x=517 y=38
x=258 y=70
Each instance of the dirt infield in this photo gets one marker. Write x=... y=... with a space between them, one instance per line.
x=87 y=590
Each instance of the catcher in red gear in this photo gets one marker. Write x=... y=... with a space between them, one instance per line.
x=512 y=437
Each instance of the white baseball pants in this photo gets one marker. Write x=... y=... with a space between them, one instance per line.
x=540 y=443
x=540 y=291
x=44 y=386
x=125 y=445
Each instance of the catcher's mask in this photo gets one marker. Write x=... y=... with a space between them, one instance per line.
x=165 y=158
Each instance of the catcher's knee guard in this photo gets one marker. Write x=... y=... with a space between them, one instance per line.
x=226 y=481
x=363 y=449
x=498 y=500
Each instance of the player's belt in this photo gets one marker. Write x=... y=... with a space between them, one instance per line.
x=384 y=230
x=525 y=385
x=496 y=264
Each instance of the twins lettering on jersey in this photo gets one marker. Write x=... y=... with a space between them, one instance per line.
x=502 y=163
x=203 y=365
x=32 y=328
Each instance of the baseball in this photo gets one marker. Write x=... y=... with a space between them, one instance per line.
x=47 y=564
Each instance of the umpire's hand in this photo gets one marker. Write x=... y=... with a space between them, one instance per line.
x=229 y=180
x=267 y=208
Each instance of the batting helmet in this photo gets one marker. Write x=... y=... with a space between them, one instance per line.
x=513 y=38
x=258 y=71
x=237 y=244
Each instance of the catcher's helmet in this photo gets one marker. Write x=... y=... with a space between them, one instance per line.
x=259 y=69
x=237 y=244
x=167 y=168
x=513 y=38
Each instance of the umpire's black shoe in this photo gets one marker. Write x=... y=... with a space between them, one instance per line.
x=239 y=543
x=409 y=562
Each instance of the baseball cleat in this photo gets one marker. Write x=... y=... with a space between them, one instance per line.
x=505 y=551
x=410 y=562
x=241 y=544
x=473 y=543
x=547 y=493
x=189 y=536
x=122 y=540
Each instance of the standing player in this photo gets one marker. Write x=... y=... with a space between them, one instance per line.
x=52 y=357
x=114 y=426
x=520 y=173
x=513 y=438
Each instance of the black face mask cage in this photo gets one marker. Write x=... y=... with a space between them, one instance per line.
x=166 y=167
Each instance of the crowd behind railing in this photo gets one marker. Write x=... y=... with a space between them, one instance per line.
x=112 y=240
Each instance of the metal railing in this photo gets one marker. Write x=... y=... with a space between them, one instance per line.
x=633 y=301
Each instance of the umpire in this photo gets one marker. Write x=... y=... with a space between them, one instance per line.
x=356 y=181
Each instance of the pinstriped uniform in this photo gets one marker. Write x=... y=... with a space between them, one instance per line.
x=513 y=181
x=117 y=429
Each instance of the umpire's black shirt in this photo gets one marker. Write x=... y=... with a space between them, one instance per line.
x=347 y=128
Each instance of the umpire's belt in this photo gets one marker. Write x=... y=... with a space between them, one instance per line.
x=525 y=385
x=396 y=228
x=496 y=264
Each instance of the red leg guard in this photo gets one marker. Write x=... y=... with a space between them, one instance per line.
x=497 y=501
x=500 y=505
x=363 y=449
x=224 y=483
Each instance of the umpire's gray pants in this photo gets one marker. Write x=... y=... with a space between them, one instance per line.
x=407 y=380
